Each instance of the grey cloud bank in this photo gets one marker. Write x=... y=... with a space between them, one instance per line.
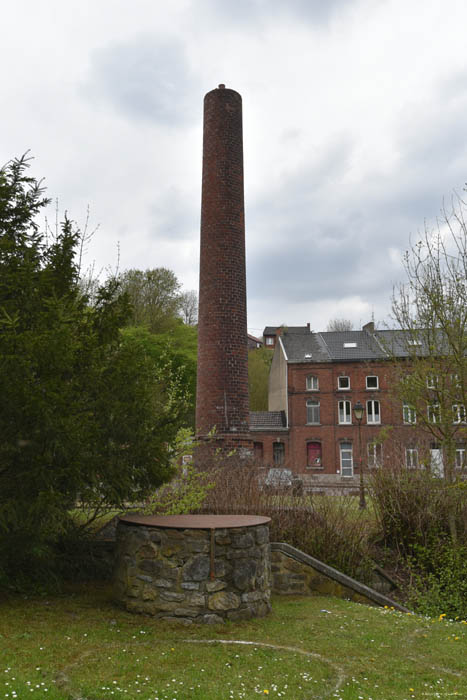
x=354 y=132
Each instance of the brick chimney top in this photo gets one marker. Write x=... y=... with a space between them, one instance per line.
x=369 y=327
x=221 y=86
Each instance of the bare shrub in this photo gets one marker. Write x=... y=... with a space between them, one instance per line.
x=414 y=508
x=328 y=527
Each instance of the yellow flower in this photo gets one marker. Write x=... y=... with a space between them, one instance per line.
x=411 y=690
x=266 y=692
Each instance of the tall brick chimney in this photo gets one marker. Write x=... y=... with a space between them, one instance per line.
x=222 y=388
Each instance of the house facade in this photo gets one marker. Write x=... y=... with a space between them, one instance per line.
x=315 y=383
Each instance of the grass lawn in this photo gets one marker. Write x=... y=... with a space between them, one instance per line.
x=80 y=646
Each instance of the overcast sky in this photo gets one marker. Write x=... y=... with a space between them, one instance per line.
x=355 y=128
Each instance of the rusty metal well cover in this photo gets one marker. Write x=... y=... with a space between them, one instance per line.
x=201 y=522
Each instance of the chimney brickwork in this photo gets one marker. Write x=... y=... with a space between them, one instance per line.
x=222 y=383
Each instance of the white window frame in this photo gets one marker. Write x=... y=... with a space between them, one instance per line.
x=346 y=455
x=375 y=455
x=411 y=457
x=433 y=412
x=311 y=380
x=461 y=457
x=409 y=414
x=371 y=414
x=344 y=415
x=432 y=381
x=313 y=405
x=343 y=388
x=372 y=388
x=459 y=414
x=269 y=341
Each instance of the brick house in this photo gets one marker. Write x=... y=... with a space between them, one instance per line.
x=272 y=333
x=315 y=381
x=253 y=342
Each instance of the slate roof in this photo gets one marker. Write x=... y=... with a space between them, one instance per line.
x=366 y=346
x=267 y=420
x=298 y=347
x=361 y=345
x=302 y=330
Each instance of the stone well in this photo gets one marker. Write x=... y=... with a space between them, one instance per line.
x=194 y=568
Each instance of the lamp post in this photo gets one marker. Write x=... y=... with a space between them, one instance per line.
x=358 y=411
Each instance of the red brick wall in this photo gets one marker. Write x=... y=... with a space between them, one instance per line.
x=329 y=433
x=222 y=388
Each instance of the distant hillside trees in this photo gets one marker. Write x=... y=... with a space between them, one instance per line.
x=259 y=364
x=339 y=324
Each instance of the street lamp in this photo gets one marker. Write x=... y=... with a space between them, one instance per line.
x=358 y=411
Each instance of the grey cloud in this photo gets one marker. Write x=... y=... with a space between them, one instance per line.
x=252 y=12
x=174 y=216
x=146 y=78
x=338 y=239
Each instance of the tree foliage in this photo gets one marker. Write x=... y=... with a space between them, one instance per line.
x=86 y=413
x=189 y=307
x=259 y=364
x=431 y=309
x=339 y=324
x=154 y=296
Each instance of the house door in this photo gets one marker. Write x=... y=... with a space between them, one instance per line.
x=437 y=466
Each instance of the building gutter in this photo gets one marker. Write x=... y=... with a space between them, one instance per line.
x=286 y=383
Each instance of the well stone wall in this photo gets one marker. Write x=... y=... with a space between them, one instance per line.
x=193 y=575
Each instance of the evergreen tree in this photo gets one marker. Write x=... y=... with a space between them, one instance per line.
x=87 y=415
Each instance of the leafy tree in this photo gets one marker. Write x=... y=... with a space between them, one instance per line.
x=189 y=307
x=177 y=350
x=339 y=324
x=259 y=364
x=155 y=297
x=86 y=413
x=431 y=310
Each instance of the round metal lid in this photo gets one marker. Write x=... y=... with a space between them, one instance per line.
x=194 y=522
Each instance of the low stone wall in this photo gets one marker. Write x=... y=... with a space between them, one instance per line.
x=193 y=575
x=296 y=573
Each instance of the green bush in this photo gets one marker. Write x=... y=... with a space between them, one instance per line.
x=439 y=580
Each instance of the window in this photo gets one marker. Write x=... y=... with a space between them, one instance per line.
x=346 y=459
x=278 y=453
x=414 y=342
x=258 y=451
x=343 y=383
x=461 y=458
x=432 y=381
x=459 y=415
x=269 y=341
x=411 y=457
x=372 y=382
x=345 y=412
x=434 y=413
x=409 y=414
x=313 y=454
x=350 y=345
x=375 y=454
x=373 y=414
x=312 y=383
x=312 y=411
